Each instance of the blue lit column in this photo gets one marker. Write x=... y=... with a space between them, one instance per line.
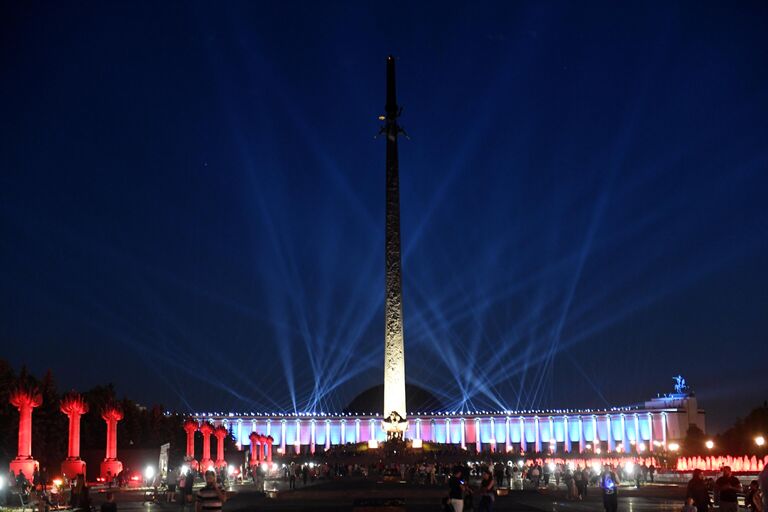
x=357 y=430
x=463 y=434
x=638 y=437
x=552 y=433
x=567 y=436
x=282 y=436
x=239 y=433
x=624 y=439
x=508 y=443
x=493 y=435
x=611 y=442
x=327 y=434
x=343 y=432
x=582 y=443
x=650 y=431
x=537 y=434
x=447 y=430
x=664 y=429
x=312 y=436
x=523 y=441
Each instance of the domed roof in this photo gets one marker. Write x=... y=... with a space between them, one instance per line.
x=372 y=400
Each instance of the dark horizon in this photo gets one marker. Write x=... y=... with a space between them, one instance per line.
x=192 y=201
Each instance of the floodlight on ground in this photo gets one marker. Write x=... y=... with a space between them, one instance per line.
x=149 y=473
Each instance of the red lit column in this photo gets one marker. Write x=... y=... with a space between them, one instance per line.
x=110 y=466
x=220 y=432
x=25 y=400
x=73 y=406
x=269 y=441
x=190 y=426
x=206 y=463
x=255 y=448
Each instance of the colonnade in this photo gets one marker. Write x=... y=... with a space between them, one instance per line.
x=27 y=398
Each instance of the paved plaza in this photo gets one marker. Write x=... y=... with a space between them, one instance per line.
x=340 y=495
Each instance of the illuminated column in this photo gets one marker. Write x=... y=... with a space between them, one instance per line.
x=357 y=430
x=523 y=440
x=552 y=433
x=650 y=431
x=537 y=433
x=25 y=400
x=206 y=429
x=297 y=441
x=582 y=444
x=664 y=429
x=463 y=434
x=508 y=443
x=638 y=437
x=447 y=430
x=73 y=406
x=110 y=466
x=312 y=436
x=567 y=435
x=269 y=427
x=282 y=436
x=255 y=449
x=418 y=428
x=493 y=435
x=595 y=437
x=611 y=442
x=478 y=440
x=434 y=430
x=220 y=433
x=269 y=440
x=343 y=430
x=624 y=440
x=190 y=427
x=327 y=435
x=239 y=433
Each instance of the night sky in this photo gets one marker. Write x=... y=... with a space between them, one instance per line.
x=192 y=200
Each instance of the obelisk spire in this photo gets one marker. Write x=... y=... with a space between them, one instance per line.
x=394 y=353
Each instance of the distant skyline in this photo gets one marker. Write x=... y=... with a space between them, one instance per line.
x=192 y=201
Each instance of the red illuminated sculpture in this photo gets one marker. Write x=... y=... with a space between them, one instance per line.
x=73 y=406
x=25 y=399
x=110 y=466
x=206 y=463
x=191 y=426
x=220 y=432
x=269 y=440
x=255 y=448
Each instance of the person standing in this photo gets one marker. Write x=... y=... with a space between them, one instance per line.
x=762 y=480
x=109 y=505
x=698 y=492
x=609 y=484
x=651 y=471
x=456 y=488
x=486 y=491
x=210 y=498
x=728 y=487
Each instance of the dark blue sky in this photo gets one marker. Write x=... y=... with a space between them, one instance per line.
x=192 y=201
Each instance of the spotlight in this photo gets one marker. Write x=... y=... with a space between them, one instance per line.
x=709 y=444
x=759 y=440
x=673 y=447
x=184 y=469
x=231 y=470
x=149 y=473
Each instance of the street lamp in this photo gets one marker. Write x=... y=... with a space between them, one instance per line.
x=760 y=441
x=709 y=444
x=673 y=447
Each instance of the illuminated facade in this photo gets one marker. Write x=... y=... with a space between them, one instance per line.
x=646 y=428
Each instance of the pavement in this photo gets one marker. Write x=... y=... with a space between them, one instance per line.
x=340 y=495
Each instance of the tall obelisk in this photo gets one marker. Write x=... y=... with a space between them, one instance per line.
x=394 y=353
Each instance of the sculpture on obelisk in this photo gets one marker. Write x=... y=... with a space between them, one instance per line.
x=394 y=353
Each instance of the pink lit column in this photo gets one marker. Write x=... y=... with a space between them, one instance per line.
x=25 y=400
x=110 y=466
x=73 y=406
x=220 y=432
x=206 y=463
